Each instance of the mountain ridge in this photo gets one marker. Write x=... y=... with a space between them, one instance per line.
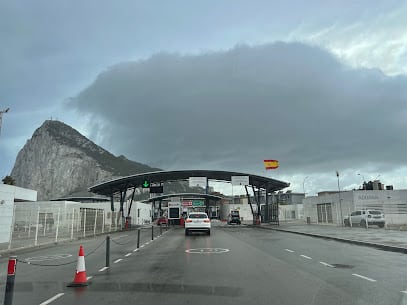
x=59 y=161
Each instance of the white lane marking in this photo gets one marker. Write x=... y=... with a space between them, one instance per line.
x=304 y=256
x=47 y=257
x=142 y=246
x=135 y=250
x=52 y=299
x=404 y=291
x=364 y=277
x=326 y=264
x=128 y=254
x=103 y=269
x=117 y=260
x=288 y=250
x=148 y=242
x=120 y=236
x=89 y=277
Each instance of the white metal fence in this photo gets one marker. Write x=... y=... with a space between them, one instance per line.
x=37 y=224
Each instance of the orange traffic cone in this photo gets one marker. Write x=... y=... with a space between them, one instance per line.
x=80 y=279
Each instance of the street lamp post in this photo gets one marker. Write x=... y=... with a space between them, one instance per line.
x=303 y=184
x=363 y=183
x=340 y=200
x=1 y=115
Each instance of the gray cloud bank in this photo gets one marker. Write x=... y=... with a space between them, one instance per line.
x=232 y=109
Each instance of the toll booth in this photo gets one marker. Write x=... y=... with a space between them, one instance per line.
x=174 y=213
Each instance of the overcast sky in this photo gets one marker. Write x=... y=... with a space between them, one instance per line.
x=319 y=85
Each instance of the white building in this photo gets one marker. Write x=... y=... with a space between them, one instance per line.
x=326 y=209
x=240 y=203
x=291 y=212
x=9 y=194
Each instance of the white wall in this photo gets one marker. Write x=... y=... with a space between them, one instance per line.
x=6 y=214
x=8 y=194
x=19 y=193
x=244 y=209
x=392 y=203
x=347 y=205
x=286 y=212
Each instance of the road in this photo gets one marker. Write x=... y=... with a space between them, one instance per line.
x=235 y=265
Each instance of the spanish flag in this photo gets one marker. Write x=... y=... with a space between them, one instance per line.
x=270 y=164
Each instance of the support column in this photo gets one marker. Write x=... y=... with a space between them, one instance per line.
x=111 y=203
x=266 y=210
x=248 y=199
x=131 y=201
x=257 y=199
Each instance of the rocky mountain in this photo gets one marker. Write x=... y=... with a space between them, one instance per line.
x=58 y=161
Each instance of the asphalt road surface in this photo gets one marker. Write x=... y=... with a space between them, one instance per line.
x=235 y=265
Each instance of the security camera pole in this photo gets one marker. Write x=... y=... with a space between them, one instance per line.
x=1 y=116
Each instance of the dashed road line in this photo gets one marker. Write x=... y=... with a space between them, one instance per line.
x=142 y=246
x=117 y=260
x=364 y=277
x=404 y=291
x=327 y=265
x=89 y=277
x=135 y=250
x=304 y=256
x=103 y=269
x=52 y=299
x=288 y=250
x=128 y=254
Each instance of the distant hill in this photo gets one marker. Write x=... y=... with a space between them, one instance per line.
x=59 y=161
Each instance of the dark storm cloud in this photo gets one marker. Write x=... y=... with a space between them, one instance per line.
x=232 y=109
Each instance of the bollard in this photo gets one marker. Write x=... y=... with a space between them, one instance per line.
x=11 y=273
x=138 y=238
x=108 y=251
x=152 y=232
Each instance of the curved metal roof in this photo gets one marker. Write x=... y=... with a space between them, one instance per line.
x=195 y=195
x=82 y=199
x=120 y=184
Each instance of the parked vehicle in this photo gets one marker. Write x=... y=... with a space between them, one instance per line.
x=365 y=218
x=234 y=217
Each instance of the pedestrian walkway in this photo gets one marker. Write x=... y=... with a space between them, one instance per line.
x=391 y=240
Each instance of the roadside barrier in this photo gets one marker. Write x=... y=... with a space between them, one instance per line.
x=11 y=273
x=80 y=278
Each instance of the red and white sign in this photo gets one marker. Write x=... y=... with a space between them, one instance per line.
x=187 y=203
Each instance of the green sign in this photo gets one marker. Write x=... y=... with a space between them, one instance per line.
x=197 y=203
x=146 y=184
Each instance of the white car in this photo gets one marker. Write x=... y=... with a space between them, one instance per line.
x=365 y=217
x=197 y=221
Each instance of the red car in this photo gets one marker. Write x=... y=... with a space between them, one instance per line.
x=162 y=220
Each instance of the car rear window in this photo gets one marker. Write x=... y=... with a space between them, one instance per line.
x=375 y=212
x=198 y=216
